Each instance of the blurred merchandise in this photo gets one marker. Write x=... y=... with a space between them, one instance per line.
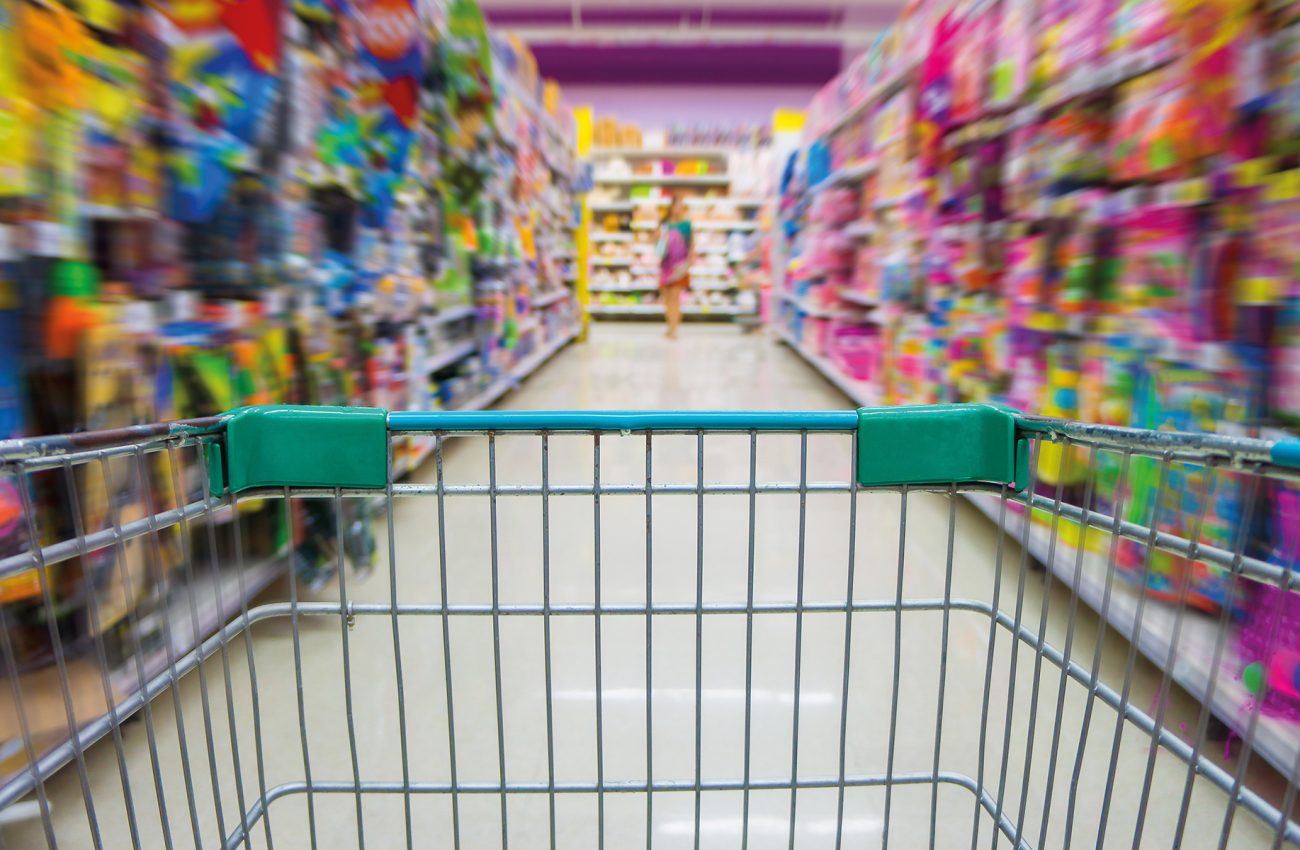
x=1087 y=212
x=719 y=174
x=209 y=205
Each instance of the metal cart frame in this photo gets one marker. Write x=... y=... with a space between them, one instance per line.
x=287 y=454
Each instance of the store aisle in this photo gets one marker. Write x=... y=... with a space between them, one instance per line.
x=497 y=552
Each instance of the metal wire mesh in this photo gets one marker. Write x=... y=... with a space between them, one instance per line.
x=669 y=639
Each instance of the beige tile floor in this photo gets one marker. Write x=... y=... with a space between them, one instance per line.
x=630 y=366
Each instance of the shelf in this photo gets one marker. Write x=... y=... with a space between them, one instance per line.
x=521 y=371
x=550 y=298
x=443 y=359
x=530 y=102
x=235 y=588
x=859 y=230
x=644 y=225
x=454 y=314
x=646 y=287
x=611 y=262
x=1275 y=739
x=816 y=312
x=658 y=310
x=611 y=237
x=725 y=225
x=110 y=212
x=705 y=271
x=665 y=180
x=889 y=203
x=859 y=298
x=846 y=176
x=724 y=202
x=882 y=90
x=611 y=206
x=664 y=153
x=862 y=393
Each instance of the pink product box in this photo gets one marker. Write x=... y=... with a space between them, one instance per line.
x=834 y=206
x=856 y=349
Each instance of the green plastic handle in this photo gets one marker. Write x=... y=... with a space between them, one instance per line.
x=297 y=446
x=941 y=444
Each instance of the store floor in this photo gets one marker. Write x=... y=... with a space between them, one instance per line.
x=794 y=537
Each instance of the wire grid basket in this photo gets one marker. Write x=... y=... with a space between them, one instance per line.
x=659 y=630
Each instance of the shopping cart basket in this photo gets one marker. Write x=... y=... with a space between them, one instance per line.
x=650 y=629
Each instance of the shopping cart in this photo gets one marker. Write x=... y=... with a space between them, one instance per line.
x=649 y=629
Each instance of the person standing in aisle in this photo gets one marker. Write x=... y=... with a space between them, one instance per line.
x=675 y=250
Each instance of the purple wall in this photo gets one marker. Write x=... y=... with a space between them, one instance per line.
x=656 y=107
x=690 y=64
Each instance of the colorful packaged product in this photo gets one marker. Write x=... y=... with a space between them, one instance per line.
x=1013 y=52
x=971 y=57
x=1156 y=133
x=1156 y=252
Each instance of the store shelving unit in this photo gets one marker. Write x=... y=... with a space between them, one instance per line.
x=921 y=304
x=862 y=393
x=658 y=310
x=626 y=279
x=447 y=345
x=695 y=180
x=525 y=367
x=1275 y=739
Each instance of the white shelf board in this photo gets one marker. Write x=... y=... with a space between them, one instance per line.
x=658 y=309
x=644 y=287
x=454 y=314
x=611 y=206
x=859 y=230
x=846 y=176
x=725 y=225
x=610 y=237
x=729 y=202
x=550 y=298
x=521 y=371
x=664 y=153
x=1276 y=740
x=862 y=394
x=882 y=90
x=804 y=307
x=664 y=180
x=859 y=298
x=443 y=359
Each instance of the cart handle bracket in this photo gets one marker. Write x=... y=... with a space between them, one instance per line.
x=941 y=444
x=282 y=445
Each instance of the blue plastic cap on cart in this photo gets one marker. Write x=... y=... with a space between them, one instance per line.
x=941 y=444
x=1286 y=453
x=291 y=446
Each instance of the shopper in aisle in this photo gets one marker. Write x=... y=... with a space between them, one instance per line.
x=675 y=257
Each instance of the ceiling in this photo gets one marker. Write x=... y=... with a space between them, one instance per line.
x=757 y=42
